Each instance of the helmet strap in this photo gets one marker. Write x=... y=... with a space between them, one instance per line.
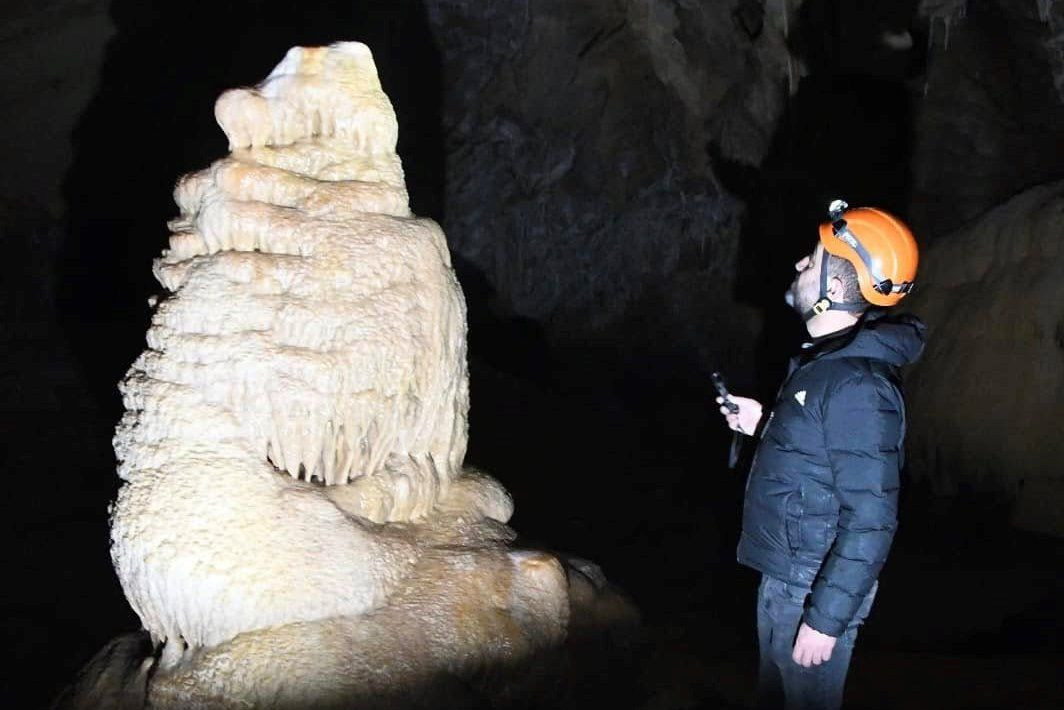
x=882 y=285
x=885 y=286
x=824 y=303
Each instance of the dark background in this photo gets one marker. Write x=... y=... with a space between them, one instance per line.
x=613 y=451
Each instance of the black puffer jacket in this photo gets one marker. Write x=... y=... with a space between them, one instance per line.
x=822 y=496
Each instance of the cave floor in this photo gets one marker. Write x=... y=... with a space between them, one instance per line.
x=970 y=612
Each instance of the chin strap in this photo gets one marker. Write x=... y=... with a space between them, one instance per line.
x=826 y=304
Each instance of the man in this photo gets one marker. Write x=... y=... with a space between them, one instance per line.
x=821 y=499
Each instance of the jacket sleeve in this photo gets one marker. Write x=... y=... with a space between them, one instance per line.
x=863 y=431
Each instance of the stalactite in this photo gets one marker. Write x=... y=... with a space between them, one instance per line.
x=1049 y=13
x=1045 y=10
x=944 y=12
x=785 y=10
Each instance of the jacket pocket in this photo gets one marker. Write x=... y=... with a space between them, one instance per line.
x=792 y=516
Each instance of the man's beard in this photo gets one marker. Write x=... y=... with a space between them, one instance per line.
x=802 y=301
x=792 y=297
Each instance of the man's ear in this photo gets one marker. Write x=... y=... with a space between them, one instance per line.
x=835 y=288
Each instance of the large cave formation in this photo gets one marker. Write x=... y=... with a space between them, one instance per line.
x=624 y=185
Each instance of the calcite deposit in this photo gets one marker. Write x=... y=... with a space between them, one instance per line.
x=987 y=398
x=295 y=526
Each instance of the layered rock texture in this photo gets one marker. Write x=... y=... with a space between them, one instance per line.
x=988 y=119
x=579 y=139
x=987 y=399
x=296 y=528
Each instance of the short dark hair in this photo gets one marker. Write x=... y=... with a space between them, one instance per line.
x=845 y=272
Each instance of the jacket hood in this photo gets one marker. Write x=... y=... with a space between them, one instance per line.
x=895 y=339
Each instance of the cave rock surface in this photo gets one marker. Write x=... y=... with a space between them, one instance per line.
x=580 y=181
x=987 y=398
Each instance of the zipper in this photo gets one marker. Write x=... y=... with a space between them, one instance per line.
x=757 y=450
x=768 y=423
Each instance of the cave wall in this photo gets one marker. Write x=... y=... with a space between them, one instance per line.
x=986 y=203
x=578 y=182
x=987 y=399
x=576 y=190
x=53 y=52
x=991 y=107
x=52 y=55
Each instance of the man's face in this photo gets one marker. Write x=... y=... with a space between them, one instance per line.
x=805 y=289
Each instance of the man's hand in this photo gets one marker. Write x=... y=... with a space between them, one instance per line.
x=811 y=648
x=745 y=420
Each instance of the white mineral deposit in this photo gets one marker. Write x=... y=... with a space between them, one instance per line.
x=295 y=526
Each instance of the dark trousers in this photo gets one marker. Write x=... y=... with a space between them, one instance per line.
x=782 y=683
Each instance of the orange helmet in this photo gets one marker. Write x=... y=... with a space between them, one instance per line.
x=878 y=244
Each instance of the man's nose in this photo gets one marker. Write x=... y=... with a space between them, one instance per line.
x=801 y=263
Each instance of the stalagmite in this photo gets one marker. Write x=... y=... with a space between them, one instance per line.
x=294 y=435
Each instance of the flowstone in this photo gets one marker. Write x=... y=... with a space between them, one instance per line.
x=295 y=527
x=987 y=397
